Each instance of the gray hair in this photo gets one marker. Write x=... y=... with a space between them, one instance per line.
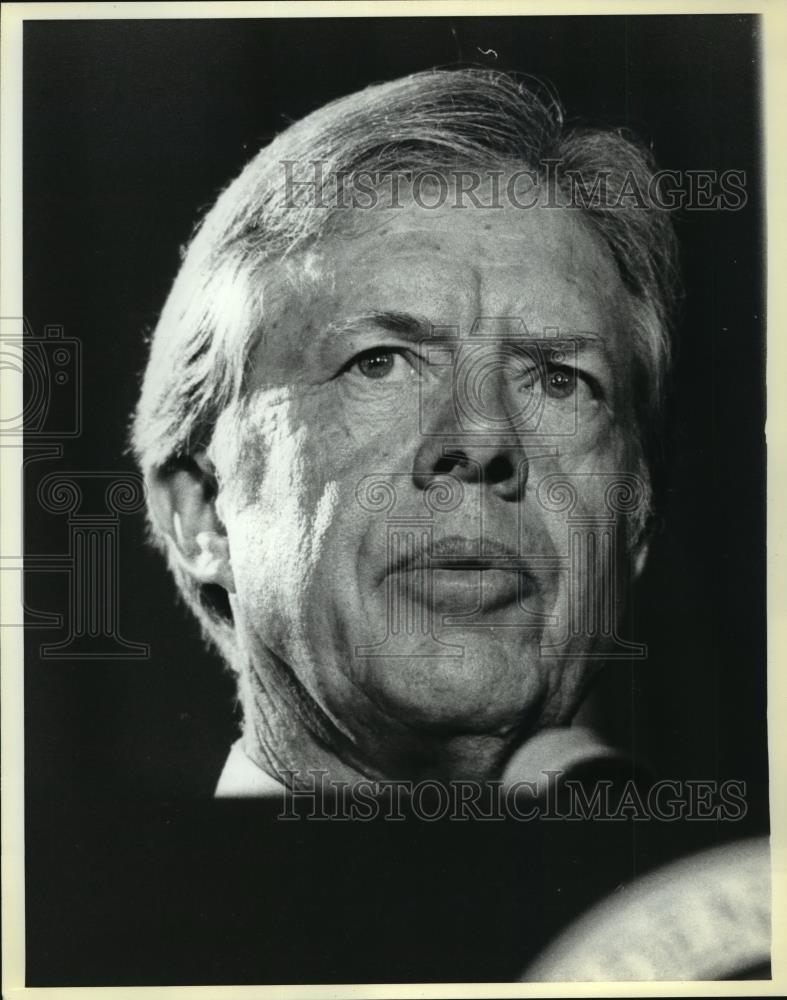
x=437 y=120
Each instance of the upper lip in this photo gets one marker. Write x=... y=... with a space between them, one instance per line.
x=459 y=552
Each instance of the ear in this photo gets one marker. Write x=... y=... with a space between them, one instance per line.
x=182 y=496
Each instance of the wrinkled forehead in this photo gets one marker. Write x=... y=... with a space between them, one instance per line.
x=451 y=267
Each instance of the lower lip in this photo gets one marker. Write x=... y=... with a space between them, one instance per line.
x=465 y=590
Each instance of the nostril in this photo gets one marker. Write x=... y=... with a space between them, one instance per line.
x=445 y=463
x=499 y=469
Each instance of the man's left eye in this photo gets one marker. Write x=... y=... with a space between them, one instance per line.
x=382 y=363
x=561 y=382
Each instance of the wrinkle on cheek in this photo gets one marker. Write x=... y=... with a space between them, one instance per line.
x=351 y=440
x=323 y=518
x=239 y=449
x=367 y=434
x=277 y=515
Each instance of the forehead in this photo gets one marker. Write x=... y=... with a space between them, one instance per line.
x=449 y=267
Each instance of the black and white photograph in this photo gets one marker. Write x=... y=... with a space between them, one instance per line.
x=385 y=387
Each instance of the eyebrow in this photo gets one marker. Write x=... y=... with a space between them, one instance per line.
x=417 y=328
x=406 y=325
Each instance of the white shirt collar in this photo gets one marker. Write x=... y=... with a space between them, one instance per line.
x=242 y=778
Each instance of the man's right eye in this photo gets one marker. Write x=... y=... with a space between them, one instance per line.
x=382 y=363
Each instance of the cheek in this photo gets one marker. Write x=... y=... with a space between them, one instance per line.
x=276 y=550
x=573 y=483
x=589 y=503
x=291 y=506
x=276 y=544
x=278 y=510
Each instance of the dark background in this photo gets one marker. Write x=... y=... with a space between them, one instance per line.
x=131 y=128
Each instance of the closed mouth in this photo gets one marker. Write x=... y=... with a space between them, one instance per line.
x=457 y=552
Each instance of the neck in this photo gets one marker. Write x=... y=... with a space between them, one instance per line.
x=287 y=734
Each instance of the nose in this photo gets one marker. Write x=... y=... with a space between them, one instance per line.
x=498 y=462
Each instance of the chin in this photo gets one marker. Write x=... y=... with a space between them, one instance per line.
x=481 y=692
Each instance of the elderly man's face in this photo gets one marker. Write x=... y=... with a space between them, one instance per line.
x=404 y=609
